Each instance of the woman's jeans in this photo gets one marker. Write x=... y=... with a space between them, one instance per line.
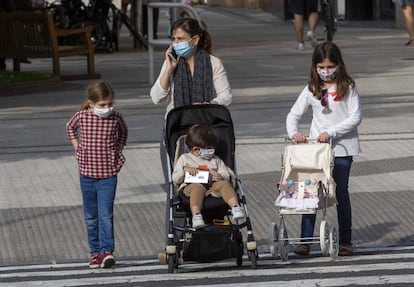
x=98 y=204
x=341 y=171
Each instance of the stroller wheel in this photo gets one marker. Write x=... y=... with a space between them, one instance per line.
x=333 y=243
x=239 y=259
x=283 y=243
x=273 y=238
x=171 y=263
x=253 y=258
x=324 y=237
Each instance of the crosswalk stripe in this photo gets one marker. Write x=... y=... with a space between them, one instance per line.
x=354 y=270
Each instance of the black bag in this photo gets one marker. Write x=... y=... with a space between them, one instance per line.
x=213 y=243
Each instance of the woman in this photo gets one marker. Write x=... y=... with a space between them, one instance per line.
x=196 y=76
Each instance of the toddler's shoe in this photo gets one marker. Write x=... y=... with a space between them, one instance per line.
x=312 y=38
x=301 y=46
x=95 y=261
x=237 y=212
x=108 y=260
x=198 y=221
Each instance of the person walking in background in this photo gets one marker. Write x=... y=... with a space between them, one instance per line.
x=300 y=8
x=336 y=110
x=407 y=8
x=98 y=149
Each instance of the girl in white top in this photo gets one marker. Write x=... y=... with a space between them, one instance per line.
x=336 y=114
x=190 y=73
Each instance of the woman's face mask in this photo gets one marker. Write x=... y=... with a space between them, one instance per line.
x=326 y=74
x=207 y=153
x=183 y=49
x=103 y=112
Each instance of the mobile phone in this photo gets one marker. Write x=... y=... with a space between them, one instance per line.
x=173 y=55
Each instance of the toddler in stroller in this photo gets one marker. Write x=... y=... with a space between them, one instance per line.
x=200 y=173
x=206 y=205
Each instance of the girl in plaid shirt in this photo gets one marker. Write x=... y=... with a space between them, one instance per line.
x=98 y=135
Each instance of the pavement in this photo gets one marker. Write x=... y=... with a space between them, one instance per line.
x=40 y=204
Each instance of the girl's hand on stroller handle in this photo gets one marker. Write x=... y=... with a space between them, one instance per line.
x=323 y=137
x=298 y=138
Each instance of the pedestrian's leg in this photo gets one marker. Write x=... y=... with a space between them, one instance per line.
x=341 y=172
x=313 y=21
x=308 y=225
x=299 y=27
x=90 y=210
x=408 y=13
x=106 y=197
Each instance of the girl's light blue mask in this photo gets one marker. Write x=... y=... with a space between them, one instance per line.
x=207 y=153
x=183 y=49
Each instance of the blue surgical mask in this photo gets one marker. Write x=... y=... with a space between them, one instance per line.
x=207 y=153
x=183 y=49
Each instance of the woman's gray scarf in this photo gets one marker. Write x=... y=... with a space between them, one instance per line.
x=196 y=89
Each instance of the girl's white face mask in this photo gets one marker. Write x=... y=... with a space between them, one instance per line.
x=326 y=75
x=104 y=112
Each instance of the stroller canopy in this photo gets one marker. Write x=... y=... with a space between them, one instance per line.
x=180 y=119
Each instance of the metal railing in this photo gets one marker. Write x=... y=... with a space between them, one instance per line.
x=166 y=41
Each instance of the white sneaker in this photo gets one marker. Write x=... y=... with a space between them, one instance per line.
x=237 y=212
x=301 y=46
x=198 y=221
x=312 y=38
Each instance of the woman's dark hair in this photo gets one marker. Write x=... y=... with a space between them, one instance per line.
x=97 y=91
x=330 y=51
x=192 y=27
x=201 y=136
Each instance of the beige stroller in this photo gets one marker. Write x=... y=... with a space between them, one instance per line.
x=306 y=186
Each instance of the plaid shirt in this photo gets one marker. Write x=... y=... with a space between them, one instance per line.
x=98 y=154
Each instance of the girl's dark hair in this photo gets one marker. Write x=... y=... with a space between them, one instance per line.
x=97 y=91
x=201 y=136
x=330 y=51
x=192 y=27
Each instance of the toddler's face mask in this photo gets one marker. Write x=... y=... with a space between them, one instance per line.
x=207 y=153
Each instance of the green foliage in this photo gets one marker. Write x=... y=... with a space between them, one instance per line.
x=7 y=77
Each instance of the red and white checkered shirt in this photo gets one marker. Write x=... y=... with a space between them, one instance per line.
x=98 y=154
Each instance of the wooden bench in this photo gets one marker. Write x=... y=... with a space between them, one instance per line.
x=33 y=35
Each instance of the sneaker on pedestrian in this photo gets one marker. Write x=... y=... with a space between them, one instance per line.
x=198 y=221
x=108 y=260
x=301 y=46
x=95 y=261
x=312 y=38
x=237 y=212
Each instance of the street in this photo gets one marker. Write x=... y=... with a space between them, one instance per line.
x=40 y=207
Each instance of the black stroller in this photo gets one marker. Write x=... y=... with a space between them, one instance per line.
x=222 y=238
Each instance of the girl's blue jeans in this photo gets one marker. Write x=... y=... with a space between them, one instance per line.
x=98 y=196
x=341 y=171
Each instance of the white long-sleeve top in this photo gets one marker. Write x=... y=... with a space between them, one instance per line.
x=341 y=124
x=221 y=86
